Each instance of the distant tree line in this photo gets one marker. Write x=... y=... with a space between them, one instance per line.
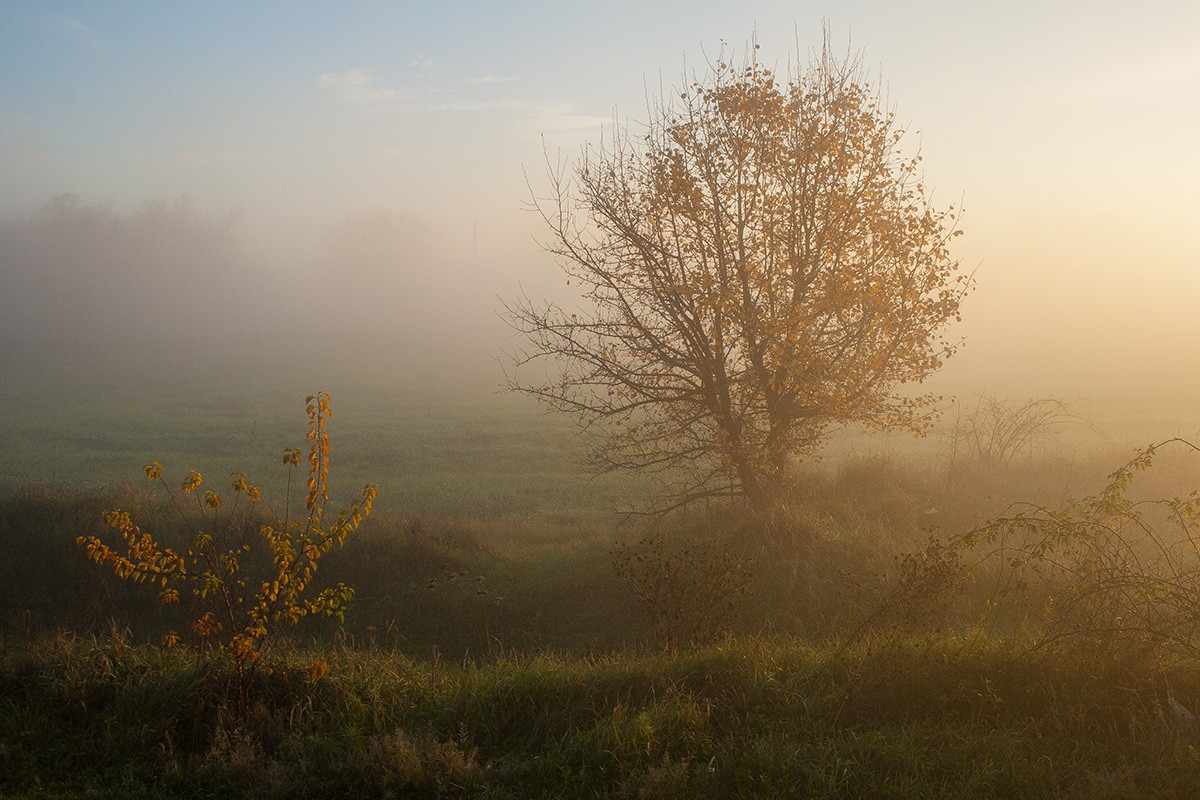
x=81 y=281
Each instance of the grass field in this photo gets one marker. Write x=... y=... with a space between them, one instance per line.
x=479 y=454
x=493 y=648
x=933 y=717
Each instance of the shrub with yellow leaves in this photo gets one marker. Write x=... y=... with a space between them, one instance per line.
x=237 y=616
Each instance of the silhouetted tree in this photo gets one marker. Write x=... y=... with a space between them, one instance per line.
x=763 y=265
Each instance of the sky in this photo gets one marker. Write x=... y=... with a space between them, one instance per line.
x=1067 y=130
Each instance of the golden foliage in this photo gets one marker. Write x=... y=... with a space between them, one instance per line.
x=244 y=618
x=764 y=265
x=193 y=480
x=318 y=670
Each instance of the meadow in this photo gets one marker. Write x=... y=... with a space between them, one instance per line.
x=500 y=644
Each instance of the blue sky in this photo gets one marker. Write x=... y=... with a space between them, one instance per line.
x=237 y=102
x=1069 y=129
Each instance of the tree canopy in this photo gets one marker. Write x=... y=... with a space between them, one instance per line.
x=763 y=265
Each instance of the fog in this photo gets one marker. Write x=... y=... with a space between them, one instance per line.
x=94 y=293
x=341 y=198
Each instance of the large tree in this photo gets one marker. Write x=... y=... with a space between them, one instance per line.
x=762 y=266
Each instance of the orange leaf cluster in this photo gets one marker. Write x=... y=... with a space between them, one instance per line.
x=243 y=615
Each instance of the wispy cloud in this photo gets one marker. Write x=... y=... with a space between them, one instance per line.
x=480 y=105
x=355 y=85
x=533 y=117
x=559 y=119
x=360 y=86
x=82 y=33
x=494 y=79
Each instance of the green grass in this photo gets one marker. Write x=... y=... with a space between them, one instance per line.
x=547 y=683
x=549 y=581
x=932 y=717
x=544 y=585
x=483 y=455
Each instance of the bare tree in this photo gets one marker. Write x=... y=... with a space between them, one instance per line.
x=763 y=265
x=996 y=430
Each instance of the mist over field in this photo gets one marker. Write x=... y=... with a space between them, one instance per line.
x=167 y=294
x=690 y=399
x=360 y=212
x=96 y=293
x=103 y=307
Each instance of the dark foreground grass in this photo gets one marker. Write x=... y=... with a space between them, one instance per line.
x=935 y=717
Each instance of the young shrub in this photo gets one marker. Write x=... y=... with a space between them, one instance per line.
x=690 y=587
x=997 y=430
x=237 y=615
x=1111 y=569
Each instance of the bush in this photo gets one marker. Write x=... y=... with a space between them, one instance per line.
x=239 y=613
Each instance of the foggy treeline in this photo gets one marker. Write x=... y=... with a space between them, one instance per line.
x=83 y=281
x=91 y=291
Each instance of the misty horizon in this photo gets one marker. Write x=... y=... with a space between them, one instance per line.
x=359 y=209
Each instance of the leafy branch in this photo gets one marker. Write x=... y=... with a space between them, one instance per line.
x=242 y=616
